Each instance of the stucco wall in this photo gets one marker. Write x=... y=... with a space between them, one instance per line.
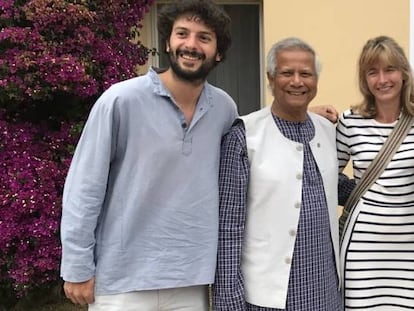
x=337 y=30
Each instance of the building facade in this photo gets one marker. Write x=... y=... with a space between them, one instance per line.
x=337 y=30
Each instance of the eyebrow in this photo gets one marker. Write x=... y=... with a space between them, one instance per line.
x=296 y=70
x=207 y=32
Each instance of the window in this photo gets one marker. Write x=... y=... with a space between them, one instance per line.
x=240 y=74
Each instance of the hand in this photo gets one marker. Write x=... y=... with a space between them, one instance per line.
x=327 y=111
x=80 y=293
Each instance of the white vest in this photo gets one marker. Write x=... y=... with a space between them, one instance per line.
x=274 y=201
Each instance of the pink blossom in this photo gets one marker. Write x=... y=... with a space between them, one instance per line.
x=60 y=46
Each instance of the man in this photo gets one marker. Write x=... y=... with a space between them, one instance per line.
x=278 y=225
x=140 y=217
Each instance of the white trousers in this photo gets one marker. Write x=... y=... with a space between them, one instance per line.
x=193 y=298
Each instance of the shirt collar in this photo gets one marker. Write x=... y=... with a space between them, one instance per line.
x=161 y=90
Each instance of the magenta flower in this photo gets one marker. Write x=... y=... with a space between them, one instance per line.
x=77 y=48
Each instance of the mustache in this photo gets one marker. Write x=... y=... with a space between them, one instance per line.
x=191 y=53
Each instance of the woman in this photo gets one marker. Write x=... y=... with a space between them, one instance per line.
x=378 y=245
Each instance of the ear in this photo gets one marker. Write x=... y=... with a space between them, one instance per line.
x=269 y=77
x=218 y=57
x=167 y=47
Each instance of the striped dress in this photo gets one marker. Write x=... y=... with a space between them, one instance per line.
x=378 y=253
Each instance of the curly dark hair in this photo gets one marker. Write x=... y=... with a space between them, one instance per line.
x=208 y=11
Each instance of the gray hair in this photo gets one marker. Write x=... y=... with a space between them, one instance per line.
x=289 y=44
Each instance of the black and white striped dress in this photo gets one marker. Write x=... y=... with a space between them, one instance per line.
x=378 y=254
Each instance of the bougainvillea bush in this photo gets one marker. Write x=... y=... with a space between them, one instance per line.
x=56 y=57
x=33 y=166
x=77 y=47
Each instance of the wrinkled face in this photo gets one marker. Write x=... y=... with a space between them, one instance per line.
x=192 y=49
x=384 y=82
x=295 y=82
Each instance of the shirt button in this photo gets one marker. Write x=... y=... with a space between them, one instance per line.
x=292 y=232
x=299 y=176
x=297 y=205
x=299 y=148
x=288 y=260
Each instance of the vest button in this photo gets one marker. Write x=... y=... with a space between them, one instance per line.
x=299 y=148
x=299 y=176
x=297 y=205
x=292 y=232
x=288 y=260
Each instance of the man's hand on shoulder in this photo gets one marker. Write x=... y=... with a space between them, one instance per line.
x=82 y=293
x=327 y=111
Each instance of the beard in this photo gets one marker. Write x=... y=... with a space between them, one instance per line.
x=191 y=76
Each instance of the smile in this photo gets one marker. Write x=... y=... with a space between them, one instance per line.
x=193 y=56
x=384 y=88
x=296 y=93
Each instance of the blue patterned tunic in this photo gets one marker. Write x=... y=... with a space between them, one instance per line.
x=313 y=283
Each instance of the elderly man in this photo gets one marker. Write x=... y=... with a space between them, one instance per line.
x=278 y=227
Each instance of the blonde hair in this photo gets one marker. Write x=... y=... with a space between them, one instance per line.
x=385 y=49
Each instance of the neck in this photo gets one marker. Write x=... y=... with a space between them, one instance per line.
x=293 y=115
x=387 y=113
x=185 y=93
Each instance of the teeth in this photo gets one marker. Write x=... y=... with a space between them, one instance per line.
x=189 y=57
x=296 y=93
x=384 y=88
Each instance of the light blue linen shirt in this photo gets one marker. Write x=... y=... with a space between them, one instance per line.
x=140 y=203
